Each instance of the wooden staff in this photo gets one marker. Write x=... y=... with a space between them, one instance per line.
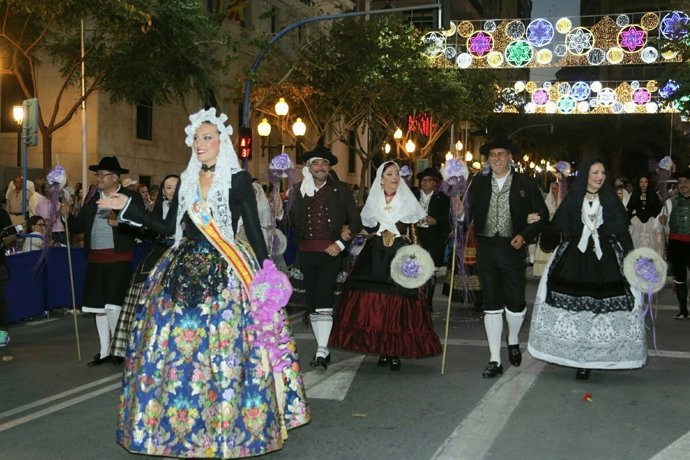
x=71 y=283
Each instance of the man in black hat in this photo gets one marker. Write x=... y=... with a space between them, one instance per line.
x=675 y=216
x=110 y=248
x=499 y=202
x=324 y=216
x=434 y=229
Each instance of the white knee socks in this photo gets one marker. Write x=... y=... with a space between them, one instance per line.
x=103 y=334
x=321 y=324
x=515 y=321
x=493 y=324
x=112 y=313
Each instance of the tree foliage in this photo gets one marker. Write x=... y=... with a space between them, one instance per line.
x=135 y=50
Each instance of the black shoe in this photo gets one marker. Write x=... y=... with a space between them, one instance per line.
x=492 y=370
x=395 y=363
x=384 y=361
x=582 y=374
x=117 y=360
x=97 y=360
x=320 y=361
x=514 y=355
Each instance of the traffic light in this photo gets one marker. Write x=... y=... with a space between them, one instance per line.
x=244 y=142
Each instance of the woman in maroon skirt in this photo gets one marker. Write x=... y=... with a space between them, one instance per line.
x=377 y=315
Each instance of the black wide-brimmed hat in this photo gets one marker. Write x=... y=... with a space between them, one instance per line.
x=109 y=164
x=320 y=152
x=684 y=173
x=499 y=143
x=430 y=172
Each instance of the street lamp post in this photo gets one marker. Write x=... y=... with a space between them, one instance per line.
x=299 y=129
x=18 y=115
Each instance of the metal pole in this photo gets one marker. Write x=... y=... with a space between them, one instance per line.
x=84 y=171
x=25 y=156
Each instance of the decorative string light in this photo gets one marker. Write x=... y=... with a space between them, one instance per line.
x=509 y=43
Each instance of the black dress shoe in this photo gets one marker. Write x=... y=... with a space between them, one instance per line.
x=320 y=361
x=384 y=361
x=582 y=374
x=492 y=370
x=117 y=360
x=394 y=363
x=514 y=355
x=96 y=360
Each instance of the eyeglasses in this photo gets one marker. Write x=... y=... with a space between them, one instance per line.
x=103 y=175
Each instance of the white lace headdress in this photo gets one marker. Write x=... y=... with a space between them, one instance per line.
x=404 y=207
x=227 y=164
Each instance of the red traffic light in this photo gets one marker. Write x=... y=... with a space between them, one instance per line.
x=244 y=144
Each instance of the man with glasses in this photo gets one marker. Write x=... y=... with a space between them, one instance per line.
x=500 y=201
x=110 y=248
x=675 y=216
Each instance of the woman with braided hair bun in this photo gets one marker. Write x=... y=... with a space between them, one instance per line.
x=586 y=315
x=211 y=369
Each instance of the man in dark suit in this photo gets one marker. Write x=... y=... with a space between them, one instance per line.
x=434 y=229
x=110 y=249
x=324 y=216
x=500 y=202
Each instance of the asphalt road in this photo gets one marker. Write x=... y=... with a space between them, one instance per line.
x=53 y=407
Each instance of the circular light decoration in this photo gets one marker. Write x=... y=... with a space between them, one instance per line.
x=634 y=84
x=540 y=96
x=615 y=55
x=546 y=85
x=519 y=86
x=632 y=38
x=652 y=107
x=652 y=86
x=629 y=107
x=617 y=107
x=530 y=107
x=435 y=44
x=596 y=56
x=579 y=41
x=583 y=106
x=519 y=53
x=566 y=104
x=499 y=107
x=551 y=107
x=465 y=29
x=564 y=88
x=606 y=97
x=494 y=59
x=649 y=55
x=595 y=86
x=450 y=32
x=673 y=25
x=515 y=29
x=669 y=89
x=544 y=56
x=464 y=60
x=669 y=54
x=594 y=103
x=540 y=32
x=580 y=91
x=649 y=21
x=560 y=50
x=450 y=52
x=530 y=87
x=622 y=20
x=564 y=25
x=479 y=44
x=490 y=26
x=641 y=96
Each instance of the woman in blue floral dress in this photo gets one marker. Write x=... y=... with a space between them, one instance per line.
x=210 y=371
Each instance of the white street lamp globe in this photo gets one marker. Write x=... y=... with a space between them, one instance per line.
x=397 y=134
x=410 y=146
x=18 y=113
x=468 y=156
x=264 y=128
x=282 y=107
x=387 y=148
x=449 y=156
x=458 y=146
x=299 y=128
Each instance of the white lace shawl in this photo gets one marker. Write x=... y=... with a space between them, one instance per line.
x=226 y=165
x=404 y=206
x=590 y=226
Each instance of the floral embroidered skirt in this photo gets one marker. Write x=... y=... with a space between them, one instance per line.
x=585 y=315
x=194 y=384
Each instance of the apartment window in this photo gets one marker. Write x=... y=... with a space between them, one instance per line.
x=145 y=121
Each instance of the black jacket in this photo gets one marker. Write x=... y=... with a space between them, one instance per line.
x=433 y=238
x=124 y=236
x=342 y=210
x=525 y=198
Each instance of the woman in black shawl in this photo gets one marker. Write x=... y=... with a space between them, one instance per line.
x=643 y=208
x=585 y=314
